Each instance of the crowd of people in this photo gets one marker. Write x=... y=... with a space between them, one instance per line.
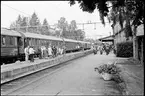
x=107 y=48
x=54 y=51
x=43 y=52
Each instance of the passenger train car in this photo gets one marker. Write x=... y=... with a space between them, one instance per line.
x=14 y=42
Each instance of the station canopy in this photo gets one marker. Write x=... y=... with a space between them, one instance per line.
x=107 y=39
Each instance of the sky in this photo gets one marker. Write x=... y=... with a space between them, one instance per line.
x=52 y=11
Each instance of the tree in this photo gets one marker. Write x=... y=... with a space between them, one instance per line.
x=35 y=25
x=63 y=25
x=136 y=7
x=79 y=35
x=13 y=26
x=132 y=11
x=16 y=25
x=45 y=27
x=73 y=32
x=73 y=25
x=19 y=21
x=24 y=24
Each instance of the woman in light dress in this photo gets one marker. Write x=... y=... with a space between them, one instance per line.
x=49 y=51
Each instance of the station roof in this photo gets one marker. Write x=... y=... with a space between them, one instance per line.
x=108 y=38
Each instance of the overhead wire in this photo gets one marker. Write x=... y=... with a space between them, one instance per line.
x=16 y=9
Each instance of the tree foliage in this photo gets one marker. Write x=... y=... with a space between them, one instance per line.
x=73 y=25
x=13 y=25
x=19 y=21
x=70 y=31
x=34 y=24
x=23 y=24
x=134 y=8
x=45 y=28
x=63 y=28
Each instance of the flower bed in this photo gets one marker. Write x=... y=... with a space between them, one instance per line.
x=108 y=68
x=112 y=72
x=109 y=72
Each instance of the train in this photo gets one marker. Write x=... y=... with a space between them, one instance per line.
x=13 y=44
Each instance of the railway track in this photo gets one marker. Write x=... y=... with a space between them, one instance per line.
x=9 y=87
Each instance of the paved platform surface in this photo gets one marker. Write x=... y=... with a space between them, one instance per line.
x=133 y=74
x=76 y=78
x=19 y=69
x=79 y=78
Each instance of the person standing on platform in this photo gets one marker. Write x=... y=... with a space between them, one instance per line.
x=94 y=50
x=42 y=51
x=101 y=49
x=49 y=51
x=55 y=51
x=39 y=53
x=59 y=51
x=26 y=51
x=45 y=52
x=31 y=54
x=64 y=50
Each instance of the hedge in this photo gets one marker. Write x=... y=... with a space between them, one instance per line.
x=125 y=49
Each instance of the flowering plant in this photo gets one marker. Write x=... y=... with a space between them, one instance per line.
x=108 y=68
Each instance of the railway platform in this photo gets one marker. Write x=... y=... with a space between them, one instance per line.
x=19 y=69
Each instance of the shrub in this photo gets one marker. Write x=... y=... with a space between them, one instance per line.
x=124 y=49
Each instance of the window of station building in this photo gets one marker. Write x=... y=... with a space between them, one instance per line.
x=3 y=41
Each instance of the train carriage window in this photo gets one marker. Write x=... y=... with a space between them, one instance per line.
x=25 y=42
x=3 y=41
x=45 y=42
x=32 y=41
x=15 y=41
x=42 y=42
x=29 y=41
x=35 y=41
x=39 y=42
x=11 y=40
x=20 y=42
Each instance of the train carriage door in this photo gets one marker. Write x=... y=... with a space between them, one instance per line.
x=20 y=45
x=25 y=42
